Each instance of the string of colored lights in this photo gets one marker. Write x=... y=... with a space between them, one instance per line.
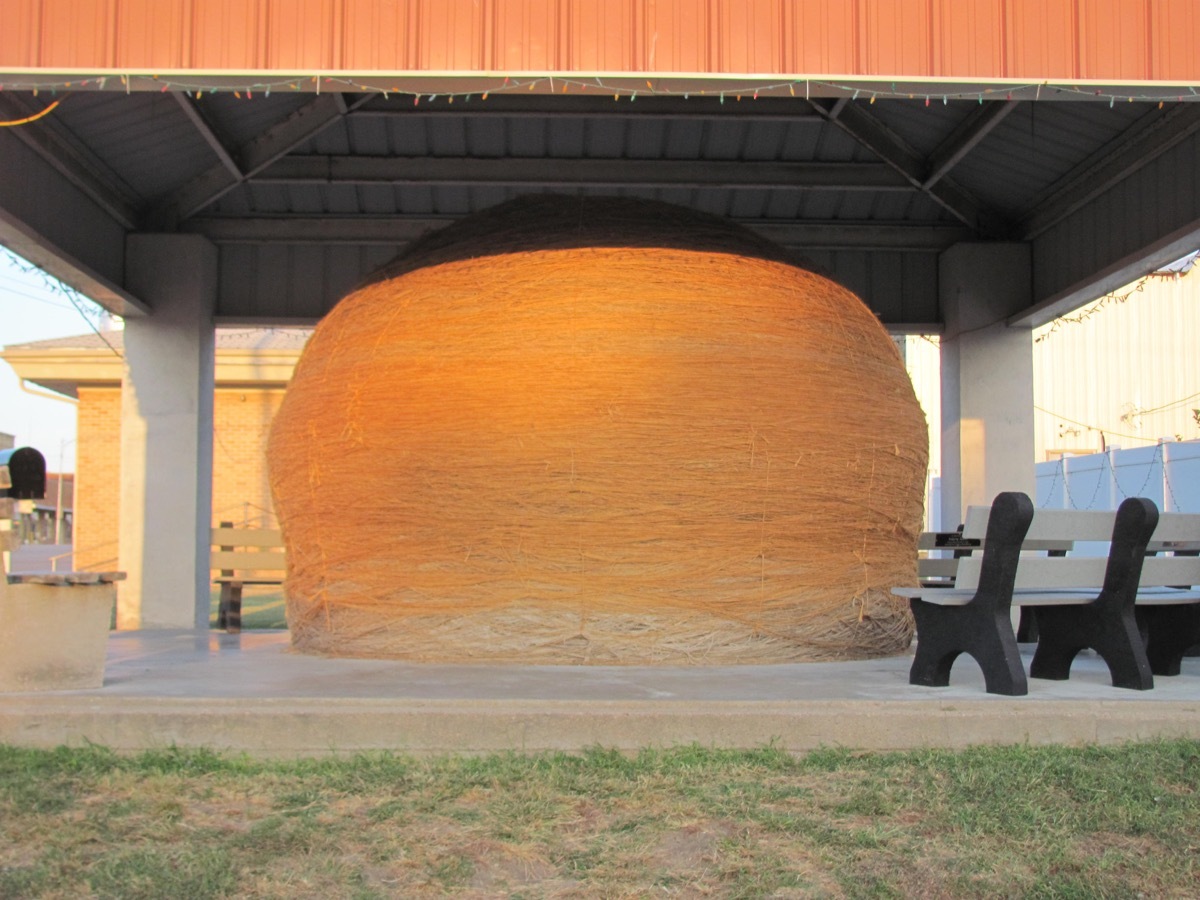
x=619 y=86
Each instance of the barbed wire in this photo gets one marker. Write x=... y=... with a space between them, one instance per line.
x=1157 y=464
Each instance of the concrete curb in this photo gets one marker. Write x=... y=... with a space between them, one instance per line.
x=292 y=727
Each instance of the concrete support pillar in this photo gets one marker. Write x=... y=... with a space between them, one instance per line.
x=166 y=433
x=987 y=376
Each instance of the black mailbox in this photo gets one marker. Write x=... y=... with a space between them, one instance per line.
x=22 y=474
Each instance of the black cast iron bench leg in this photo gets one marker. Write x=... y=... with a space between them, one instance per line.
x=982 y=628
x=1108 y=624
x=945 y=632
x=1171 y=631
x=229 y=610
x=1065 y=630
x=1027 y=632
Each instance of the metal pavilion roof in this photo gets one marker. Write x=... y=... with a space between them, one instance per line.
x=312 y=139
x=871 y=191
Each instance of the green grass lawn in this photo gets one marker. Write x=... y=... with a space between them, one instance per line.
x=1004 y=822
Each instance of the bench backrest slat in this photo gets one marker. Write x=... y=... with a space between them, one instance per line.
x=1052 y=526
x=247 y=537
x=1057 y=525
x=248 y=559
x=247 y=550
x=1183 y=528
x=937 y=568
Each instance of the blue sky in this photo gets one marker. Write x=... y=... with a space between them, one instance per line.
x=32 y=310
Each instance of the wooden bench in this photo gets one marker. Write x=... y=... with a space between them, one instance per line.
x=242 y=556
x=1079 y=602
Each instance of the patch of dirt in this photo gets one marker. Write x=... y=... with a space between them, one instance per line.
x=685 y=850
x=506 y=867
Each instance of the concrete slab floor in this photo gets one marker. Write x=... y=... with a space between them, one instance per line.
x=252 y=693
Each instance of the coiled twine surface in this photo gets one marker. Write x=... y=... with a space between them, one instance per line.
x=599 y=454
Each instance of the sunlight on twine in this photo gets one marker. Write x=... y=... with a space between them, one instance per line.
x=611 y=455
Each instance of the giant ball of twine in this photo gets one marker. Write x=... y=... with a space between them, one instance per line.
x=575 y=430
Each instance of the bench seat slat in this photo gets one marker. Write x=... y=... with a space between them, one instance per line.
x=1042 y=597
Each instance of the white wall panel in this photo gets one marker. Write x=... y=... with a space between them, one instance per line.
x=1128 y=371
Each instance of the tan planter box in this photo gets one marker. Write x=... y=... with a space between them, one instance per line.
x=54 y=636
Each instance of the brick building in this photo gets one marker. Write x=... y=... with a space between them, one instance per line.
x=252 y=370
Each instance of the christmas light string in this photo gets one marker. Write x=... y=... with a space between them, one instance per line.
x=623 y=89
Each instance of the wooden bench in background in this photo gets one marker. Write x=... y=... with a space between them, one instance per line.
x=1079 y=602
x=242 y=556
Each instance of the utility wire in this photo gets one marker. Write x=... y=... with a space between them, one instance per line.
x=1171 y=404
x=1132 y=437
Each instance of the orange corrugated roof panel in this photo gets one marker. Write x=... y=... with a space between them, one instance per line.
x=1115 y=39
x=1118 y=40
x=227 y=33
x=150 y=30
x=526 y=38
x=21 y=28
x=1174 y=40
x=75 y=34
x=895 y=36
x=751 y=36
x=1041 y=39
x=677 y=36
x=604 y=37
x=451 y=35
x=822 y=36
x=383 y=36
x=304 y=34
x=966 y=38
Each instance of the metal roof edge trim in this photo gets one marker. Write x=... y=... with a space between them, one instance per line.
x=893 y=82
